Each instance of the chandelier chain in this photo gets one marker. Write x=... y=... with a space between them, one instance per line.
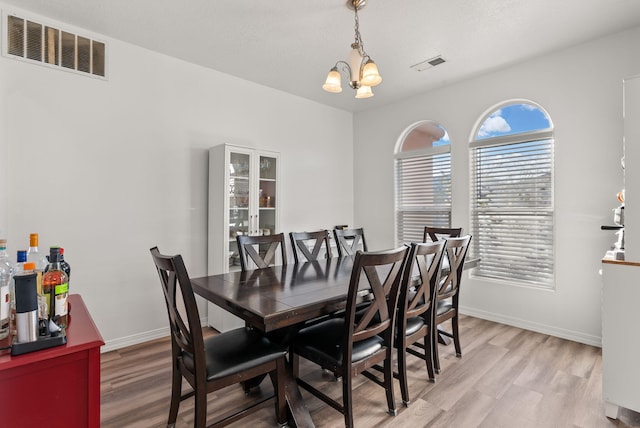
x=358 y=38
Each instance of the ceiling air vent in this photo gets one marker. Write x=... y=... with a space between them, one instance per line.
x=424 y=65
x=36 y=42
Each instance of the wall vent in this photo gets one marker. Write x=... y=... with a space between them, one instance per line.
x=424 y=65
x=35 y=42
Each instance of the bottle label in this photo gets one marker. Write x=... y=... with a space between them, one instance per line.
x=4 y=303
x=62 y=288
x=61 y=304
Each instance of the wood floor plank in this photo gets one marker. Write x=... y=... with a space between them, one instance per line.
x=507 y=377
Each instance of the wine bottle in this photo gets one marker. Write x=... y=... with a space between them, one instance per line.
x=55 y=286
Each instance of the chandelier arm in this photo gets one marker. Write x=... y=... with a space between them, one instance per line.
x=347 y=69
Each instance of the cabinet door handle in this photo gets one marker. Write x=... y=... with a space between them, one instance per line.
x=255 y=224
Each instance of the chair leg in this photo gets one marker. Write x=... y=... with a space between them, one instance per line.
x=277 y=378
x=456 y=335
x=434 y=346
x=388 y=382
x=200 y=417
x=402 y=372
x=176 y=392
x=347 y=400
x=428 y=354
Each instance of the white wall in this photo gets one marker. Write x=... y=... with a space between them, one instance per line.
x=581 y=88
x=108 y=169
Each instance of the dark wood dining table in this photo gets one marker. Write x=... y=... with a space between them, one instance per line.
x=277 y=297
x=280 y=296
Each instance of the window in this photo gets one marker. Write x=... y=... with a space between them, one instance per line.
x=512 y=195
x=423 y=181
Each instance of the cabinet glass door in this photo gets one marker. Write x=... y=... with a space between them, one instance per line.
x=267 y=195
x=239 y=185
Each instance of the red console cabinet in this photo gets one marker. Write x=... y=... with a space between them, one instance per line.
x=55 y=387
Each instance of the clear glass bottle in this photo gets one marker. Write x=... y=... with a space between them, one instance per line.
x=6 y=274
x=39 y=258
x=55 y=288
x=18 y=269
x=34 y=254
x=21 y=258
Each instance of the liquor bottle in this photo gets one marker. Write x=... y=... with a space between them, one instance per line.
x=66 y=268
x=34 y=255
x=43 y=304
x=21 y=258
x=55 y=286
x=18 y=269
x=6 y=273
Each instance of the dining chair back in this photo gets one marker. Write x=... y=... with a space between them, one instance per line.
x=217 y=362
x=348 y=241
x=349 y=346
x=448 y=293
x=302 y=241
x=434 y=234
x=261 y=250
x=415 y=315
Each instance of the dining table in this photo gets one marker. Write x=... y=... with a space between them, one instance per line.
x=280 y=297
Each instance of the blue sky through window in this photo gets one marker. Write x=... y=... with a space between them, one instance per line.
x=513 y=119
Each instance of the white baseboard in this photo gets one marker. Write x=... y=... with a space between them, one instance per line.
x=134 y=339
x=533 y=326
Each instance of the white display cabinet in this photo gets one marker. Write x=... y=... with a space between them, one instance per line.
x=243 y=199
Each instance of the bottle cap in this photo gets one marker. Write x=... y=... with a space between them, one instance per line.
x=33 y=240
x=54 y=254
x=22 y=256
x=29 y=266
x=3 y=242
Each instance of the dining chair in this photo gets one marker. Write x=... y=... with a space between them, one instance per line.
x=217 y=362
x=433 y=234
x=300 y=242
x=261 y=250
x=415 y=309
x=348 y=241
x=347 y=347
x=447 y=294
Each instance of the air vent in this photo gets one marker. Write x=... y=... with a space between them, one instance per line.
x=40 y=43
x=424 y=65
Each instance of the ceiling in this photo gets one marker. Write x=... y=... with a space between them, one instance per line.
x=290 y=45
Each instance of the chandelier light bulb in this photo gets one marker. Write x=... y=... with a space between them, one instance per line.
x=364 y=92
x=370 y=75
x=333 y=84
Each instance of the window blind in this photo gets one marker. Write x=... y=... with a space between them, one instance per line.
x=512 y=209
x=423 y=194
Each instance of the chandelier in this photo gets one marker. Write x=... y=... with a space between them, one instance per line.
x=362 y=71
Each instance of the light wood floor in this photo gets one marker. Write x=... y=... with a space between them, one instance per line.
x=507 y=377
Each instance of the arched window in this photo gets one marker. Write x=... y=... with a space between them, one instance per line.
x=423 y=180
x=512 y=206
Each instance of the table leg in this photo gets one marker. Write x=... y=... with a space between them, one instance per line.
x=298 y=409
x=444 y=340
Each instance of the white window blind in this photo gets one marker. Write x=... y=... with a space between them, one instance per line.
x=423 y=193
x=512 y=207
